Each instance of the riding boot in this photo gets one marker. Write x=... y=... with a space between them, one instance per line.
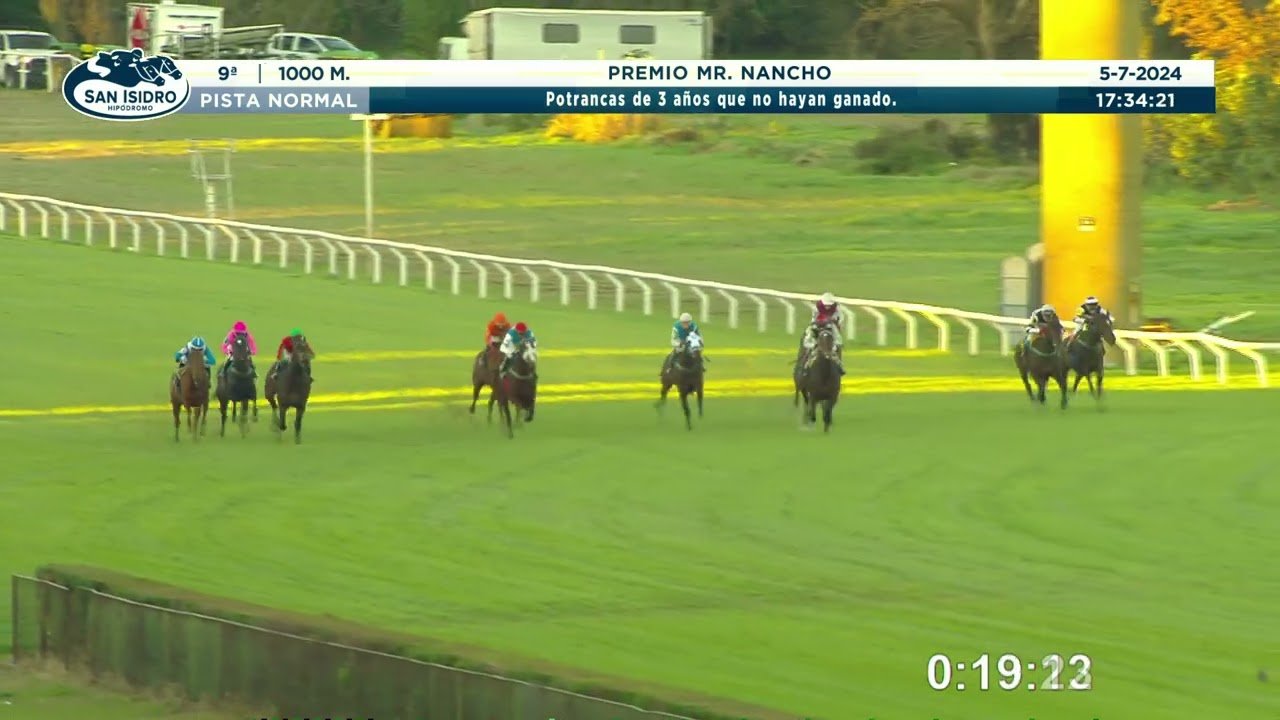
x=506 y=363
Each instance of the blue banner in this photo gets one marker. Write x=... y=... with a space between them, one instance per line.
x=798 y=100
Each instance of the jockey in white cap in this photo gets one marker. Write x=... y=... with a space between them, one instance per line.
x=826 y=312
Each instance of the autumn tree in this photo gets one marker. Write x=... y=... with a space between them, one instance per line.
x=1240 y=144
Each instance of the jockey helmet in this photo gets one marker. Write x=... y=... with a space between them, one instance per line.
x=828 y=300
x=296 y=332
x=499 y=319
x=1090 y=302
x=686 y=318
x=522 y=328
x=240 y=326
x=197 y=343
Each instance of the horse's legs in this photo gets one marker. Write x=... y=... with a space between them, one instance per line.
x=298 y=412
x=284 y=411
x=475 y=395
x=177 y=421
x=662 y=394
x=1060 y=377
x=699 y=392
x=504 y=410
x=1041 y=383
x=684 y=405
x=204 y=416
x=1022 y=371
x=493 y=396
x=244 y=416
x=828 y=410
x=1076 y=384
x=222 y=411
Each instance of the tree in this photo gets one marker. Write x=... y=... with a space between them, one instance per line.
x=1239 y=144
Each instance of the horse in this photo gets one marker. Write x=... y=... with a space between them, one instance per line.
x=484 y=371
x=1041 y=357
x=290 y=388
x=1085 y=350
x=819 y=384
x=685 y=374
x=237 y=388
x=518 y=385
x=190 y=390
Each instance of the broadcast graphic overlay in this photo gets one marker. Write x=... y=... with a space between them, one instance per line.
x=126 y=85
x=654 y=87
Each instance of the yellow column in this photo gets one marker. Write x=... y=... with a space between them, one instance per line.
x=1091 y=169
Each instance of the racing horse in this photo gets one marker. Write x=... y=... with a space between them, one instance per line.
x=685 y=373
x=819 y=384
x=518 y=386
x=1085 y=350
x=237 y=388
x=484 y=371
x=1040 y=357
x=190 y=390
x=289 y=387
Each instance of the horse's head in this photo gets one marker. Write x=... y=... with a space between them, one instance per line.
x=196 y=366
x=240 y=349
x=1100 y=324
x=827 y=340
x=528 y=354
x=692 y=345
x=302 y=353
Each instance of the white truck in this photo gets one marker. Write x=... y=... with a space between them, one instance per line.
x=309 y=46
x=25 y=56
x=554 y=34
x=192 y=31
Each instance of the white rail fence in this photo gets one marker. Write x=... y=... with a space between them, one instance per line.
x=435 y=268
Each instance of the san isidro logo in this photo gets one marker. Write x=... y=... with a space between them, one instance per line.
x=126 y=85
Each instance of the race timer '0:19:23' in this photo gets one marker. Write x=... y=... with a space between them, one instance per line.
x=1050 y=673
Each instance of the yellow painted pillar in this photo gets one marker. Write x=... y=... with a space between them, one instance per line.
x=1091 y=169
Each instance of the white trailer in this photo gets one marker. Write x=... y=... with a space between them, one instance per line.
x=188 y=30
x=552 y=34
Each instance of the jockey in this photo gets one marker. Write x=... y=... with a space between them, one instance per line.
x=1090 y=309
x=240 y=328
x=1043 y=315
x=285 y=351
x=195 y=344
x=512 y=342
x=680 y=331
x=496 y=330
x=825 y=313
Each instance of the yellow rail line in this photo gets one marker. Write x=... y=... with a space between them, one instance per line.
x=623 y=391
x=649 y=352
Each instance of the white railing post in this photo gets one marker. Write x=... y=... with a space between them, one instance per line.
x=913 y=336
x=619 y=292
x=257 y=245
x=882 y=324
x=482 y=278
x=404 y=266
x=646 y=295
x=1193 y=357
x=455 y=275
x=535 y=283
x=704 y=303
x=673 y=293
x=376 y=261
x=308 y=254
x=184 y=240
x=428 y=269
x=351 y=259
x=44 y=219
x=208 y=241
x=65 y=219
x=790 y=320
x=1130 y=351
x=762 y=313
x=233 y=237
x=564 y=284
x=333 y=254
x=111 y=230
x=88 y=226
x=135 y=234
x=159 y=235
x=732 y=302
x=590 y=282
x=971 y=330
x=1161 y=353
x=282 y=249
x=508 y=280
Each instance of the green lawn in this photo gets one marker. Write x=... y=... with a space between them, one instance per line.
x=807 y=574
x=744 y=205
x=48 y=695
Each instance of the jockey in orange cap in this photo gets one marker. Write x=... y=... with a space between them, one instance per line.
x=496 y=330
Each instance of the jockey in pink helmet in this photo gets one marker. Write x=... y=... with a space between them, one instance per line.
x=240 y=328
x=826 y=313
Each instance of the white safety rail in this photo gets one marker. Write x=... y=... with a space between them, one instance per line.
x=456 y=272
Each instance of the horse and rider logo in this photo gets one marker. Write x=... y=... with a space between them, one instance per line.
x=126 y=85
